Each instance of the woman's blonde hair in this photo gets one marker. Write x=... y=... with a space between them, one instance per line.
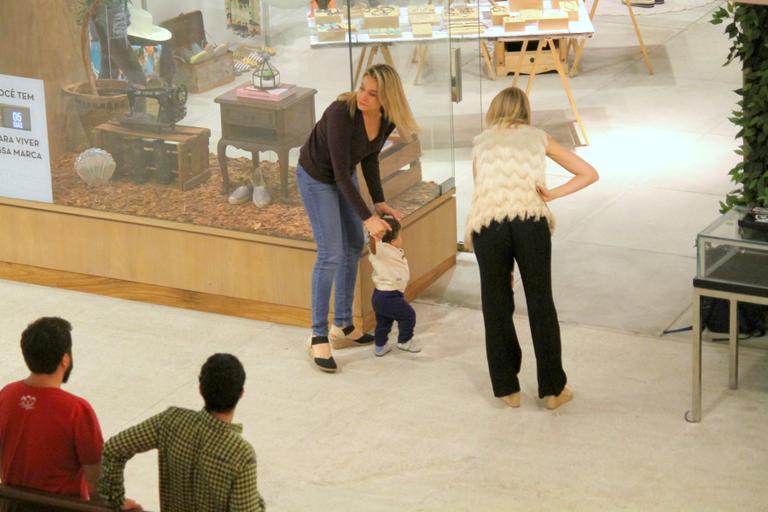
x=508 y=108
x=392 y=98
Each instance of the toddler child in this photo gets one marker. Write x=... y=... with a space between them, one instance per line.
x=390 y=277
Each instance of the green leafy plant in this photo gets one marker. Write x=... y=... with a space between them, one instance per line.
x=747 y=28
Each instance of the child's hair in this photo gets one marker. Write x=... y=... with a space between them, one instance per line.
x=508 y=108
x=389 y=236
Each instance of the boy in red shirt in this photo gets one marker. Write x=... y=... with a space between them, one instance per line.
x=50 y=440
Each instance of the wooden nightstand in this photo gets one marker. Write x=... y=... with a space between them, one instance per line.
x=261 y=125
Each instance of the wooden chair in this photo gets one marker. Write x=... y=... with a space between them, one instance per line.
x=22 y=499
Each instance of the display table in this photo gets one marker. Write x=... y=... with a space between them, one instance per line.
x=263 y=125
x=490 y=33
x=731 y=265
x=638 y=34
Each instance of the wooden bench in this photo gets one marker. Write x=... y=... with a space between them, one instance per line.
x=22 y=499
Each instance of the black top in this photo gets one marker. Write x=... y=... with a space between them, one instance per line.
x=336 y=145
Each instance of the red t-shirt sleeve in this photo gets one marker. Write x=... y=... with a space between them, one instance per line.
x=88 y=439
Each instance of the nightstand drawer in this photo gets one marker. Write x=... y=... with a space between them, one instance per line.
x=248 y=117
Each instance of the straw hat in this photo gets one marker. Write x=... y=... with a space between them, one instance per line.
x=142 y=26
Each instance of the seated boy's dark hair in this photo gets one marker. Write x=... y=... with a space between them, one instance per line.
x=221 y=382
x=391 y=235
x=44 y=342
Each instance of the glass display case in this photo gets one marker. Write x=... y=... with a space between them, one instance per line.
x=732 y=254
x=182 y=124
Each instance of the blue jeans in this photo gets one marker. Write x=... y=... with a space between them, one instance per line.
x=338 y=233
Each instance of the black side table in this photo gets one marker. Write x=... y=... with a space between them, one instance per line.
x=262 y=125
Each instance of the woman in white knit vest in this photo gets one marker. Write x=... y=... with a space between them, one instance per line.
x=509 y=221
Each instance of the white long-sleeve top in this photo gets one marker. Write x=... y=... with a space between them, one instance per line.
x=390 y=268
x=509 y=163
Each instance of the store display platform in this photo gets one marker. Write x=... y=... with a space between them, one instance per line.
x=198 y=267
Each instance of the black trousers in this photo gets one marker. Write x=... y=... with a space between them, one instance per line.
x=390 y=306
x=497 y=247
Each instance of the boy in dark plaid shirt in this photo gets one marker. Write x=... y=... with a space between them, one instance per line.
x=205 y=465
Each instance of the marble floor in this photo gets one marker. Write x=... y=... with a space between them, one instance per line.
x=413 y=433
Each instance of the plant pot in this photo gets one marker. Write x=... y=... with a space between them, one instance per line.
x=111 y=102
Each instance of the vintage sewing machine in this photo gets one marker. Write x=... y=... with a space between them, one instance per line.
x=170 y=109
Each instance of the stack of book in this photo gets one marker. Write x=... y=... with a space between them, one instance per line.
x=249 y=92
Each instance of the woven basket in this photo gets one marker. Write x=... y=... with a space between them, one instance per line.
x=110 y=103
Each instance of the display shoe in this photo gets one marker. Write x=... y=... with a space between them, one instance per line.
x=383 y=350
x=512 y=400
x=642 y=3
x=200 y=57
x=348 y=337
x=323 y=364
x=553 y=402
x=241 y=67
x=409 y=346
x=242 y=194
x=261 y=196
x=220 y=50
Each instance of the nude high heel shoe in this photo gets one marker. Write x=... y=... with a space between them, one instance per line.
x=512 y=400
x=553 y=402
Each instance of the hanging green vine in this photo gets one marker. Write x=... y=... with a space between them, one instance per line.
x=748 y=31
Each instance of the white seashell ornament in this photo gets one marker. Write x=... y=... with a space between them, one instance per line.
x=95 y=166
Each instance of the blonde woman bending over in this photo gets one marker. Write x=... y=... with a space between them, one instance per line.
x=352 y=131
x=509 y=222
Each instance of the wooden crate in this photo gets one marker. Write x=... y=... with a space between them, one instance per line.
x=186 y=149
x=399 y=168
x=187 y=29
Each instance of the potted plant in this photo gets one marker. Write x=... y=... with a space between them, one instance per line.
x=96 y=100
x=746 y=29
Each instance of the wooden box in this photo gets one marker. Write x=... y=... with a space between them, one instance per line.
x=385 y=16
x=553 y=20
x=514 y=24
x=384 y=33
x=460 y=14
x=571 y=7
x=498 y=13
x=186 y=150
x=331 y=32
x=326 y=16
x=202 y=76
x=530 y=15
x=421 y=14
x=519 y=5
x=422 y=30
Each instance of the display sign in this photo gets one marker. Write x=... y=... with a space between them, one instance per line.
x=25 y=166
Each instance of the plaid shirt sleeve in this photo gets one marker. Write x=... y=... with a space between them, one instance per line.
x=245 y=497
x=119 y=450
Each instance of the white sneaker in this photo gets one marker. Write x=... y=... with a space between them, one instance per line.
x=409 y=346
x=382 y=351
x=242 y=194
